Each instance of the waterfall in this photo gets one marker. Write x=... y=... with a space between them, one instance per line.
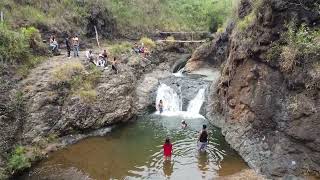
x=179 y=73
x=171 y=100
x=196 y=103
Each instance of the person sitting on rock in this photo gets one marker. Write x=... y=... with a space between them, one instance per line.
x=136 y=48
x=103 y=58
x=53 y=43
x=90 y=56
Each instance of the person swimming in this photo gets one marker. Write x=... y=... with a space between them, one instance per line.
x=160 y=106
x=184 y=124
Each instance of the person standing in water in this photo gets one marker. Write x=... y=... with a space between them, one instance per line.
x=167 y=150
x=160 y=106
x=184 y=124
x=203 y=139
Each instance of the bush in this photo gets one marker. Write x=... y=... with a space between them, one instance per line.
x=14 y=47
x=147 y=42
x=35 y=41
x=121 y=48
x=288 y=58
x=18 y=160
x=246 y=21
x=301 y=46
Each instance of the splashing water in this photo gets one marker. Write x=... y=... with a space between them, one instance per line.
x=179 y=73
x=196 y=103
x=171 y=100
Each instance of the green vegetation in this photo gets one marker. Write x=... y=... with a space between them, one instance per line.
x=131 y=15
x=248 y=20
x=147 y=42
x=82 y=82
x=300 y=45
x=18 y=160
x=120 y=48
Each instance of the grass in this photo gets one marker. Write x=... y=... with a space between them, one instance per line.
x=120 y=48
x=68 y=71
x=147 y=42
x=18 y=160
x=82 y=82
x=131 y=16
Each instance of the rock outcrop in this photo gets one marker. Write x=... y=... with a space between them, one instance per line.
x=270 y=116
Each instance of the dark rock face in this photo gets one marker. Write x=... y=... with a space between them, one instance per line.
x=270 y=117
x=212 y=53
x=104 y=21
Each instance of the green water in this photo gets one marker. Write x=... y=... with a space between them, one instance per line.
x=134 y=151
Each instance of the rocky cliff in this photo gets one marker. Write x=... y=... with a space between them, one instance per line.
x=63 y=100
x=268 y=95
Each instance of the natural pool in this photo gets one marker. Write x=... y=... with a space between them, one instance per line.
x=134 y=151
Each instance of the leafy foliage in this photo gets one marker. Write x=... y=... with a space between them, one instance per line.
x=296 y=46
x=18 y=160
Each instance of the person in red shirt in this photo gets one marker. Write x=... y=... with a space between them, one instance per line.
x=167 y=150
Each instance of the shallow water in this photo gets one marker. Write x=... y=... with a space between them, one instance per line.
x=134 y=151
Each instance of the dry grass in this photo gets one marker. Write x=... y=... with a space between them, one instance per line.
x=288 y=58
x=88 y=96
x=68 y=71
x=147 y=42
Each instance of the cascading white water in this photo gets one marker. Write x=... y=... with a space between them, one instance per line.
x=179 y=73
x=171 y=100
x=196 y=103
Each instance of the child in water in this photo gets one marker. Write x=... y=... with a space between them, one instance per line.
x=184 y=124
x=167 y=150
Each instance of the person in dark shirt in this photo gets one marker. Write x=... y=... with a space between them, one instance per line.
x=203 y=139
x=68 y=46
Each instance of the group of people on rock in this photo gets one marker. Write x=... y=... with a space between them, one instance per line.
x=70 y=43
x=102 y=60
x=202 y=142
x=141 y=49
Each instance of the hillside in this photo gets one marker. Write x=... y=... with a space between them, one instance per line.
x=127 y=18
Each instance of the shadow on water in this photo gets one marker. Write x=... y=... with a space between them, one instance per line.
x=134 y=151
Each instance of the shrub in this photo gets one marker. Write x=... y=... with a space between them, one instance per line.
x=14 y=47
x=35 y=41
x=68 y=71
x=18 y=160
x=120 y=48
x=288 y=58
x=147 y=42
x=246 y=21
x=301 y=46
